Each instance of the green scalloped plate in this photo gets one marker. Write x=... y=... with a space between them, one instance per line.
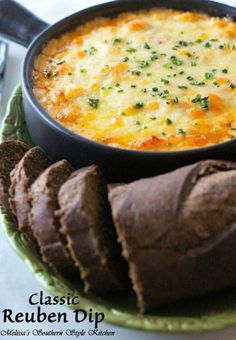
x=209 y=313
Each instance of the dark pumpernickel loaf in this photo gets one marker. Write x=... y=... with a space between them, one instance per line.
x=87 y=224
x=11 y=153
x=45 y=225
x=178 y=232
x=22 y=177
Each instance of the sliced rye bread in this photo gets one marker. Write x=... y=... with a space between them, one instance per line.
x=86 y=221
x=11 y=153
x=178 y=232
x=33 y=163
x=45 y=225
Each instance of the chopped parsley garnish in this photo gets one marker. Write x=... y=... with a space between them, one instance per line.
x=143 y=64
x=69 y=74
x=132 y=85
x=162 y=95
x=153 y=56
x=120 y=91
x=175 y=61
x=204 y=103
x=189 y=78
x=55 y=73
x=166 y=91
x=145 y=45
x=48 y=74
x=138 y=122
x=155 y=89
x=182 y=43
x=232 y=86
x=82 y=70
x=93 y=102
x=198 y=83
x=138 y=105
x=175 y=100
x=225 y=70
x=215 y=83
x=131 y=50
x=168 y=121
x=165 y=81
x=144 y=90
x=181 y=132
x=153 y=118
x=198 y=41
x=117 y=40
x=182 y=86
x=125 y=59
x=60 y=62
x=197 y=98
x=207 y=44
x=193 y=63
x=136 y=72
x=92 y=50
x=209 y=75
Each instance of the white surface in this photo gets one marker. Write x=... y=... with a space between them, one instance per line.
x=16 y=281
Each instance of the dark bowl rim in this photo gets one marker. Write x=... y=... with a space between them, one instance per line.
x=40 y=40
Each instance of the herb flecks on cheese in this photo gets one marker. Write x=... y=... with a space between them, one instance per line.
x=150 y=80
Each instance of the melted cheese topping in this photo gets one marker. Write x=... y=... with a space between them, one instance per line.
x=150 y=80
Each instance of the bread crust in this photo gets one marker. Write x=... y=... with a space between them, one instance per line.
x=178 y=232
x=11 y=153
x=44 y=223
x=33 y=163
x=86 y=222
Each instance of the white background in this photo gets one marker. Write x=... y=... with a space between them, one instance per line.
x=16 y=281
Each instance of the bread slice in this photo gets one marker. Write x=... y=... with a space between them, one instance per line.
x=10 y=154
x=33 y=163
x=86 y=222
x=178 y=232
x=45 y=225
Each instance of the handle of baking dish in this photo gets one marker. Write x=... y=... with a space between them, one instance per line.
x=18 y=24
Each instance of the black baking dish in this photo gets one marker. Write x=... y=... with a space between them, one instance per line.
x=17 y=24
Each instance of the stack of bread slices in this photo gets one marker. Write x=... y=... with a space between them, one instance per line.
x=172 y=236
